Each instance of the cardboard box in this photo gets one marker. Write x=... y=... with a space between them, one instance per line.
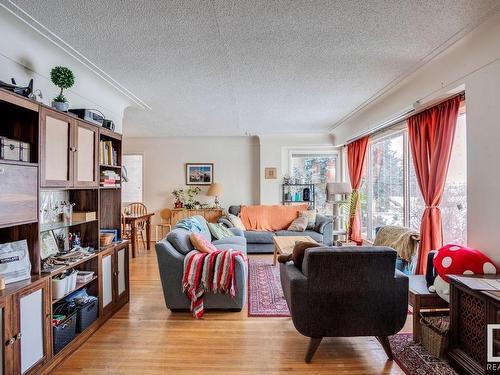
x=83 y=216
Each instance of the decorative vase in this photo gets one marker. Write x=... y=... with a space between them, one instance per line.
x=60 y=106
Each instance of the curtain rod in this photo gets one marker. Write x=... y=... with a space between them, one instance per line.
x=403 y=115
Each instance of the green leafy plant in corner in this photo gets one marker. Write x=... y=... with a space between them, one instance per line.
x=63 y=78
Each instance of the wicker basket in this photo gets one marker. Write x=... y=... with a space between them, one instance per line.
x=106 y=239
x=434 y=332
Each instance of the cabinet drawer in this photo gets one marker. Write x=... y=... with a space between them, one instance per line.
x=18 y=198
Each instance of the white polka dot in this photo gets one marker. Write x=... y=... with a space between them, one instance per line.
x=468 y=272
x=489 y=268
x=446 y=262
x=455 y=248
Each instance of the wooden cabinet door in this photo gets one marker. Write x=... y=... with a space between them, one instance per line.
x=121 y=274
x=106 y=288
x=56 y=156
x=19 y=197
x=33 y=328
x=86 y=138
x=6 y=337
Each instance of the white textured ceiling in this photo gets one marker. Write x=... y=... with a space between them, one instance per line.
x=258 y=67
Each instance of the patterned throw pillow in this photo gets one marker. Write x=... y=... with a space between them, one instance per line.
x=219 y=231
x=236 y=221
x=299 y=224
x=201 y=244
x=311 y=218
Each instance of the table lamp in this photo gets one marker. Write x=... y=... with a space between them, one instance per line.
x=215 y=190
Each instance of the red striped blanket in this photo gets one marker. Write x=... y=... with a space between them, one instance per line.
x=209 y=272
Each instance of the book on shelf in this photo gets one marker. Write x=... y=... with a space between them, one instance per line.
x=110 y=179
x=107 y=153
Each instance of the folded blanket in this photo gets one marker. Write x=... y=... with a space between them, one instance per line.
x=403 y=240
x=209 y=272
x=270 y=218
x=190 y=223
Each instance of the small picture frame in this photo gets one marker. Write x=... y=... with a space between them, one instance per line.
x=48 y=244
x=270 y=173
x=199 y=173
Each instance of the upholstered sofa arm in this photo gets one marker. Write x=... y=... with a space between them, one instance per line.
x=294 y=285
x=237 y=232
x=225 y=222
x=324 y=225
x=171 y=266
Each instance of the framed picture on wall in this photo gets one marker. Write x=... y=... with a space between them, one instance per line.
x=270 y=173
x=199 y=173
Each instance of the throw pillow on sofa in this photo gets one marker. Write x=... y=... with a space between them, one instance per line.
x=201 y=244
x=219 y=231
x=236 y=221
x=299 y=224
x=311 y=218
x=297 y=255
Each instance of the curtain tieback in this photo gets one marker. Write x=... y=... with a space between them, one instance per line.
x=432 y=206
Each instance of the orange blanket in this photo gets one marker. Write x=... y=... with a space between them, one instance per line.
x=270 y=218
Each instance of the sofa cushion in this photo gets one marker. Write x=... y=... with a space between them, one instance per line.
x=179 y=239
x=314 y=235
x=201 y=244
x=259 y=236
x=219 y=231
x=235 y=240
x=236 y=221
x=205 y=231
x=311 y=218
x=299 y=224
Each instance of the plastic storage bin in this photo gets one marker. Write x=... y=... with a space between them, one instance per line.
x=64 y=332
x=59 y=287
x=86 y=315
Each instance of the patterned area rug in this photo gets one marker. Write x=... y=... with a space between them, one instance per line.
x=415 y=360
x=265 y=296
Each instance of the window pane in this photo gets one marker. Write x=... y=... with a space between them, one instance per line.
x=387 y=172
x=318 y=169
x=363 y=200
x=132 y=189
x=454 y=201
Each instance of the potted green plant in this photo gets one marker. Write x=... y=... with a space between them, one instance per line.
x=192 y=192
x=179 y=198
x=63 y=78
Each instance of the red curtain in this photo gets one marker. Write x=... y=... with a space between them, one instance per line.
x=431 y=140
x=356 y=155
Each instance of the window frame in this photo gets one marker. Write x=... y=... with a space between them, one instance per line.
x=399 y=128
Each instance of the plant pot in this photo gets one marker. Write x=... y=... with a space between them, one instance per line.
x=60 y=106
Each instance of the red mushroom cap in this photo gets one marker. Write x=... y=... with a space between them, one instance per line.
x=461 y=260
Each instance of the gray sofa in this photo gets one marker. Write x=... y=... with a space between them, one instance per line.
x=171 y=252
x=262 y=241
x=346 y=292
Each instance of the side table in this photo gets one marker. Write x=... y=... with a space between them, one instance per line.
x=421 y=299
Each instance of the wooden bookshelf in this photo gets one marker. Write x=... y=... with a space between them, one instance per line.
x=64 y=159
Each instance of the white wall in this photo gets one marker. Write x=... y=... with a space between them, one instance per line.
x=25 y=54
x=274 y=154
x=236 y=167
x=472 y=63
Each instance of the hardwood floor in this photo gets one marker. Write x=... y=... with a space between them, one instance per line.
x=144 y=337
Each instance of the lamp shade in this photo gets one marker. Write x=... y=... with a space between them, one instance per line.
x=333 y=188
x=215 y=190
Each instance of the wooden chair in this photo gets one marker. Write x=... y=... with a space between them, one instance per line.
x=135 y=209
x=166 y=222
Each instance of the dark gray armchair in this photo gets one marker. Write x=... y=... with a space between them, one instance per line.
x=346 y=292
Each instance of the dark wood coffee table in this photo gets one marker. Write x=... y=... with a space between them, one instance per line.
x=421 y=299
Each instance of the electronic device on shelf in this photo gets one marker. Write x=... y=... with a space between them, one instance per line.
x=108 y=124
x=91 y=115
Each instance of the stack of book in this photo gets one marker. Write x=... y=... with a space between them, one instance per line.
x=110 y=179
x=107 y=153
